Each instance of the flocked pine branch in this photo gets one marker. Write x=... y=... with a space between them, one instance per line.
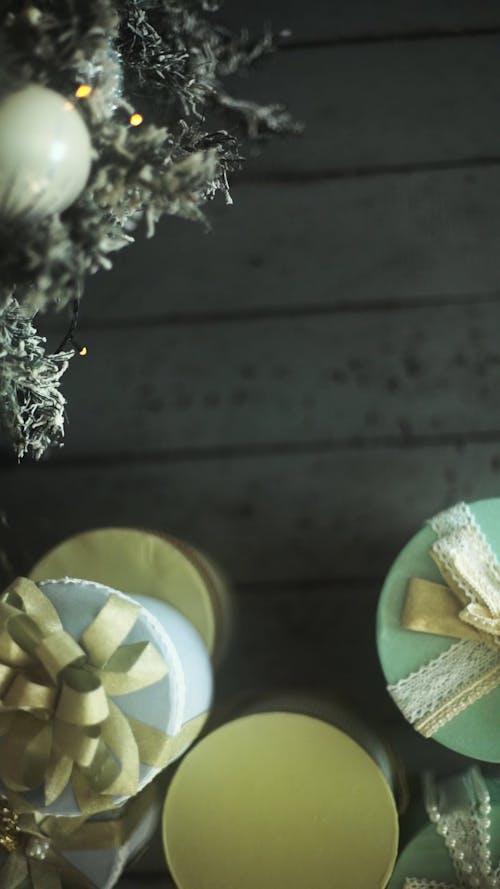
x=168 y=50
x=171 y=47
x=32 y=403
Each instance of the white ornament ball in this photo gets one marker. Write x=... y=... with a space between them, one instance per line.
x=45 y=153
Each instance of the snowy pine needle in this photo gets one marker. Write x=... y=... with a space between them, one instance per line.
x=32 y=403
x=166 y=58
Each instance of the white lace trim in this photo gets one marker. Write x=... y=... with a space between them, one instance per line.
x=459 y=808
x=426 y=884
x=466 y=671
x=440 y=690
x=471 y=570
x=452 y=519
x=467 y=842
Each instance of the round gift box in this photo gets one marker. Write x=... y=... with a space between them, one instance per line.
x=175 y=705
x=279 y=800
x=425 y=855
x=106 y=867
x=148 y=563
x=100 y=849
x=474 y=731
x=324 y=706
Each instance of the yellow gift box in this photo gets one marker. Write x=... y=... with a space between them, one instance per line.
x=280 y=800
x=151 y=564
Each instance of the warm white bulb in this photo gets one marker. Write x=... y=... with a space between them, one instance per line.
x=45 y=153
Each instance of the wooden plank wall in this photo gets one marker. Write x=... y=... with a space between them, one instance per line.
x=297 y=390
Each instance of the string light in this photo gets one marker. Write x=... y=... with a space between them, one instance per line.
x=83 y=91
x=9 y=827
x=136 y=119
x=33 y=15
x=69 y=339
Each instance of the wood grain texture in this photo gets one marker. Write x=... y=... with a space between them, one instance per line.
x=340 y=239
x=337 y=19
x=279 y=517
x=288 y=637
x=383 y=240
x=298 y=391
x=378 y=106
x=384 y=374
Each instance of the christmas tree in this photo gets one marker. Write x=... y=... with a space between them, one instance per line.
x=81 y=168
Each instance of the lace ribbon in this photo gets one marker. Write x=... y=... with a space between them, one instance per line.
x=468 y=608
x=433 y=695
x=470 y=568
x=426 y=884
x=460 y=810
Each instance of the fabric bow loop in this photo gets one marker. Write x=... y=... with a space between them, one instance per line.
x=37 y=850
x=466 y=607
x=56 y=699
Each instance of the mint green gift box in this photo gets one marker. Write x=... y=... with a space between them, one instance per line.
x=475 y=731
x=425 y=855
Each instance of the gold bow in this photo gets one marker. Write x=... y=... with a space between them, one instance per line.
x=57 y=711
x=468 y=606
x=36 y=845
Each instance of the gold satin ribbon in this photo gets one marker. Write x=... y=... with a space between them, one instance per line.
x=459 y=608
x=434 y=608
x=57 y=714
x=466 y=608
x=35 y=846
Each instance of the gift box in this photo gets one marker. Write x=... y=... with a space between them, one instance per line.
x=455 y=844
x=45 y=852
x=438 y=629
x=280 y=800
x=148 y=563
x=329 y=708
x=97 y=695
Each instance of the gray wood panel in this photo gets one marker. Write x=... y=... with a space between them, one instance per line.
x=288 y=637
x=271 y=517
x=370 y=375
x=334 y=19
x=374 y=105
x=389 y=239
x=297 y=391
